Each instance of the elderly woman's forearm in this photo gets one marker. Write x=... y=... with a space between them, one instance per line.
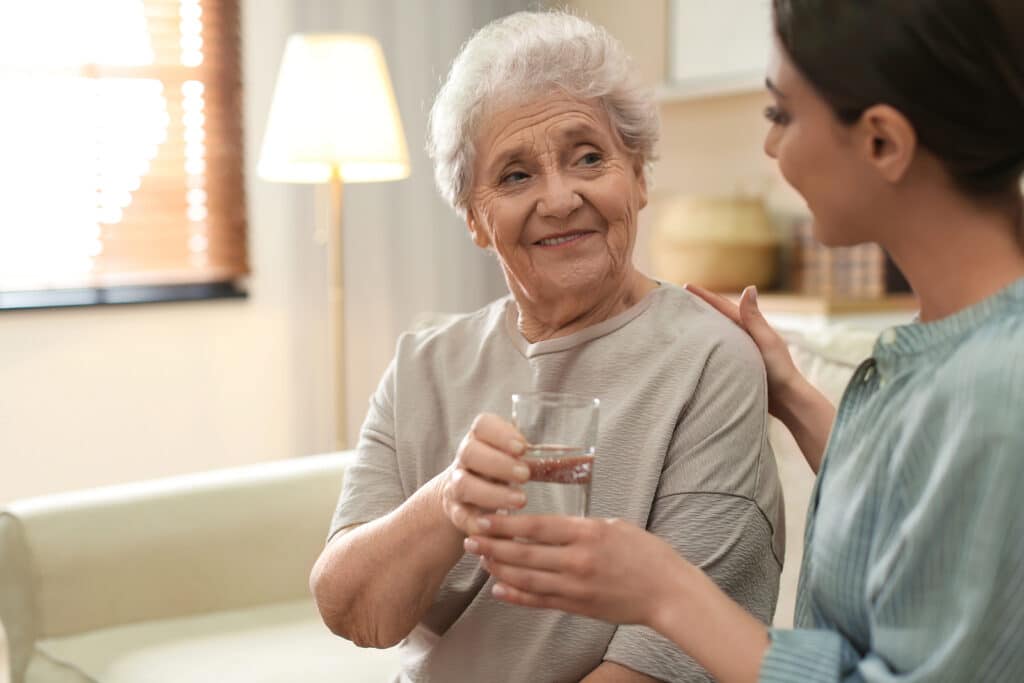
x=808 y=416
x=373 y=584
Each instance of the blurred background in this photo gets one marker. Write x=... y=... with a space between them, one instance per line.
x=165 y=310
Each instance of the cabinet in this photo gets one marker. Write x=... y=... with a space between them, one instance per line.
x=716 y=48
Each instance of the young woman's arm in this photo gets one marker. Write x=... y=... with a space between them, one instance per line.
x=612 y=570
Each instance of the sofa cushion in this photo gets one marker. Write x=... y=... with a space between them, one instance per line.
x=270 y=643
x=18 y=625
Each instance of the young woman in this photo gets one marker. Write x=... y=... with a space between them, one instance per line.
x=900 y=123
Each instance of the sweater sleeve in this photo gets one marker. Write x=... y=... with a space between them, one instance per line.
x=945 y=584
x=372 y=486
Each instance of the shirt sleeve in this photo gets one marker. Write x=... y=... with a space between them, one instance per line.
x=707 y=506
x=372 y=487
x=946 y=581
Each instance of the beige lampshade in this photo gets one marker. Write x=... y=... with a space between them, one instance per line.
x=333 y=108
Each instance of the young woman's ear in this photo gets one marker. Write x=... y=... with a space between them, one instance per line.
x=476 y=230
x=890 y=142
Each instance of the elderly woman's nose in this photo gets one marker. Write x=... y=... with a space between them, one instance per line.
x=558 y=198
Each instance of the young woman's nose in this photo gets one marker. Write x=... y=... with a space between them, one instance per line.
x=771 y=142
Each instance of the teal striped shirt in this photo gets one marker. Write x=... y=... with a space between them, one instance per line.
x=914 y=560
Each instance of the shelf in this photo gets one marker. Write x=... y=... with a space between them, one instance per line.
x=739 y=83
x=806 y=304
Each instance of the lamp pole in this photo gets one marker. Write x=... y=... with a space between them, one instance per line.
x=336 y=307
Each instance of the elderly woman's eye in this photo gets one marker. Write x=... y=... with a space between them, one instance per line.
x=513 y=177
x=590 y=159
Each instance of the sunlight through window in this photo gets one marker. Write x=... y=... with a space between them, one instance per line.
x=106 y=106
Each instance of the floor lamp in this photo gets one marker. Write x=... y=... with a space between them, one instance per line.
x=333 y=119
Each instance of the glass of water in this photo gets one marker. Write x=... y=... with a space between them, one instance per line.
x=561 y=437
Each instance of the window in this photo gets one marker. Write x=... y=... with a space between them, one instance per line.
x=121 y=170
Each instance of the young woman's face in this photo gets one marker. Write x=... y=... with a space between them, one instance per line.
x=817 y=155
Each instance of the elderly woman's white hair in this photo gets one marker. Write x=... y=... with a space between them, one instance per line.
x=526 y=55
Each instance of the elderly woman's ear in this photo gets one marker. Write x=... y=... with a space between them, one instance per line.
x=477 y=231
x=641 y=181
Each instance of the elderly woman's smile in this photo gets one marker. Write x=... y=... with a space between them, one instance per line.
x=555 y=195
x=563 y=239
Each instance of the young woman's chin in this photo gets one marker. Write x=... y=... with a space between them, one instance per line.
x=835 y=234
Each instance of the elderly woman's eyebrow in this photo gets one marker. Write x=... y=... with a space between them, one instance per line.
x=573 y=134
x=509 y=156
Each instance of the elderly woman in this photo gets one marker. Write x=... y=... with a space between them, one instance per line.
x=541 y=140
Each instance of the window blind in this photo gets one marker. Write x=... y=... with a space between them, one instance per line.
x=121 y=132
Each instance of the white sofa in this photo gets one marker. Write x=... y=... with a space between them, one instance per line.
x=190 y=579
x=203 y=578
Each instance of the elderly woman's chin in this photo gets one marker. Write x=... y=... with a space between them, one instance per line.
x=590 y=275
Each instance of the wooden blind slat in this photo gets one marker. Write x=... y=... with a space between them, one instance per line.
x=150 y=241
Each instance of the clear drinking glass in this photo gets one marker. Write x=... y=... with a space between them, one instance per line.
x=561 y=437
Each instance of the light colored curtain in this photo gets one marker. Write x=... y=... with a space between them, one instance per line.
x=406 y=252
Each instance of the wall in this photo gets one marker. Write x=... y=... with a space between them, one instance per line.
x=709 y=146
x=109 y=394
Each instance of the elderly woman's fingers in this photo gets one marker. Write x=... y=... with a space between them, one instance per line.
x=464 y=517
x=489 y=462
x=719 y=302
x=498 y=433
x=464 y=487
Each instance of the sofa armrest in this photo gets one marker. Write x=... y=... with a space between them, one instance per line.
x=5 y=656
x=177 y=546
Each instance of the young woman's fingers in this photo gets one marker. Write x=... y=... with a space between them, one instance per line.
x=535 y=581
x=752 y=320
x=529 y=555
x=514 y=596
x=548 y=529
x=717 y=301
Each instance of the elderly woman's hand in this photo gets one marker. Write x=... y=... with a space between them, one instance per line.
x=486 y=473
x=601 y=568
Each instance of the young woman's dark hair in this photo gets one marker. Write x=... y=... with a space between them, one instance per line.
x=954 y=68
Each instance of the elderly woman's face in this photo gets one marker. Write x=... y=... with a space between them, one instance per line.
x=556 y=195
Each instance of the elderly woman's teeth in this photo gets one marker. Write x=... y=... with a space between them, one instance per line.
x=551 y=241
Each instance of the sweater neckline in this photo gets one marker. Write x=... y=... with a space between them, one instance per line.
x=532 y=349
